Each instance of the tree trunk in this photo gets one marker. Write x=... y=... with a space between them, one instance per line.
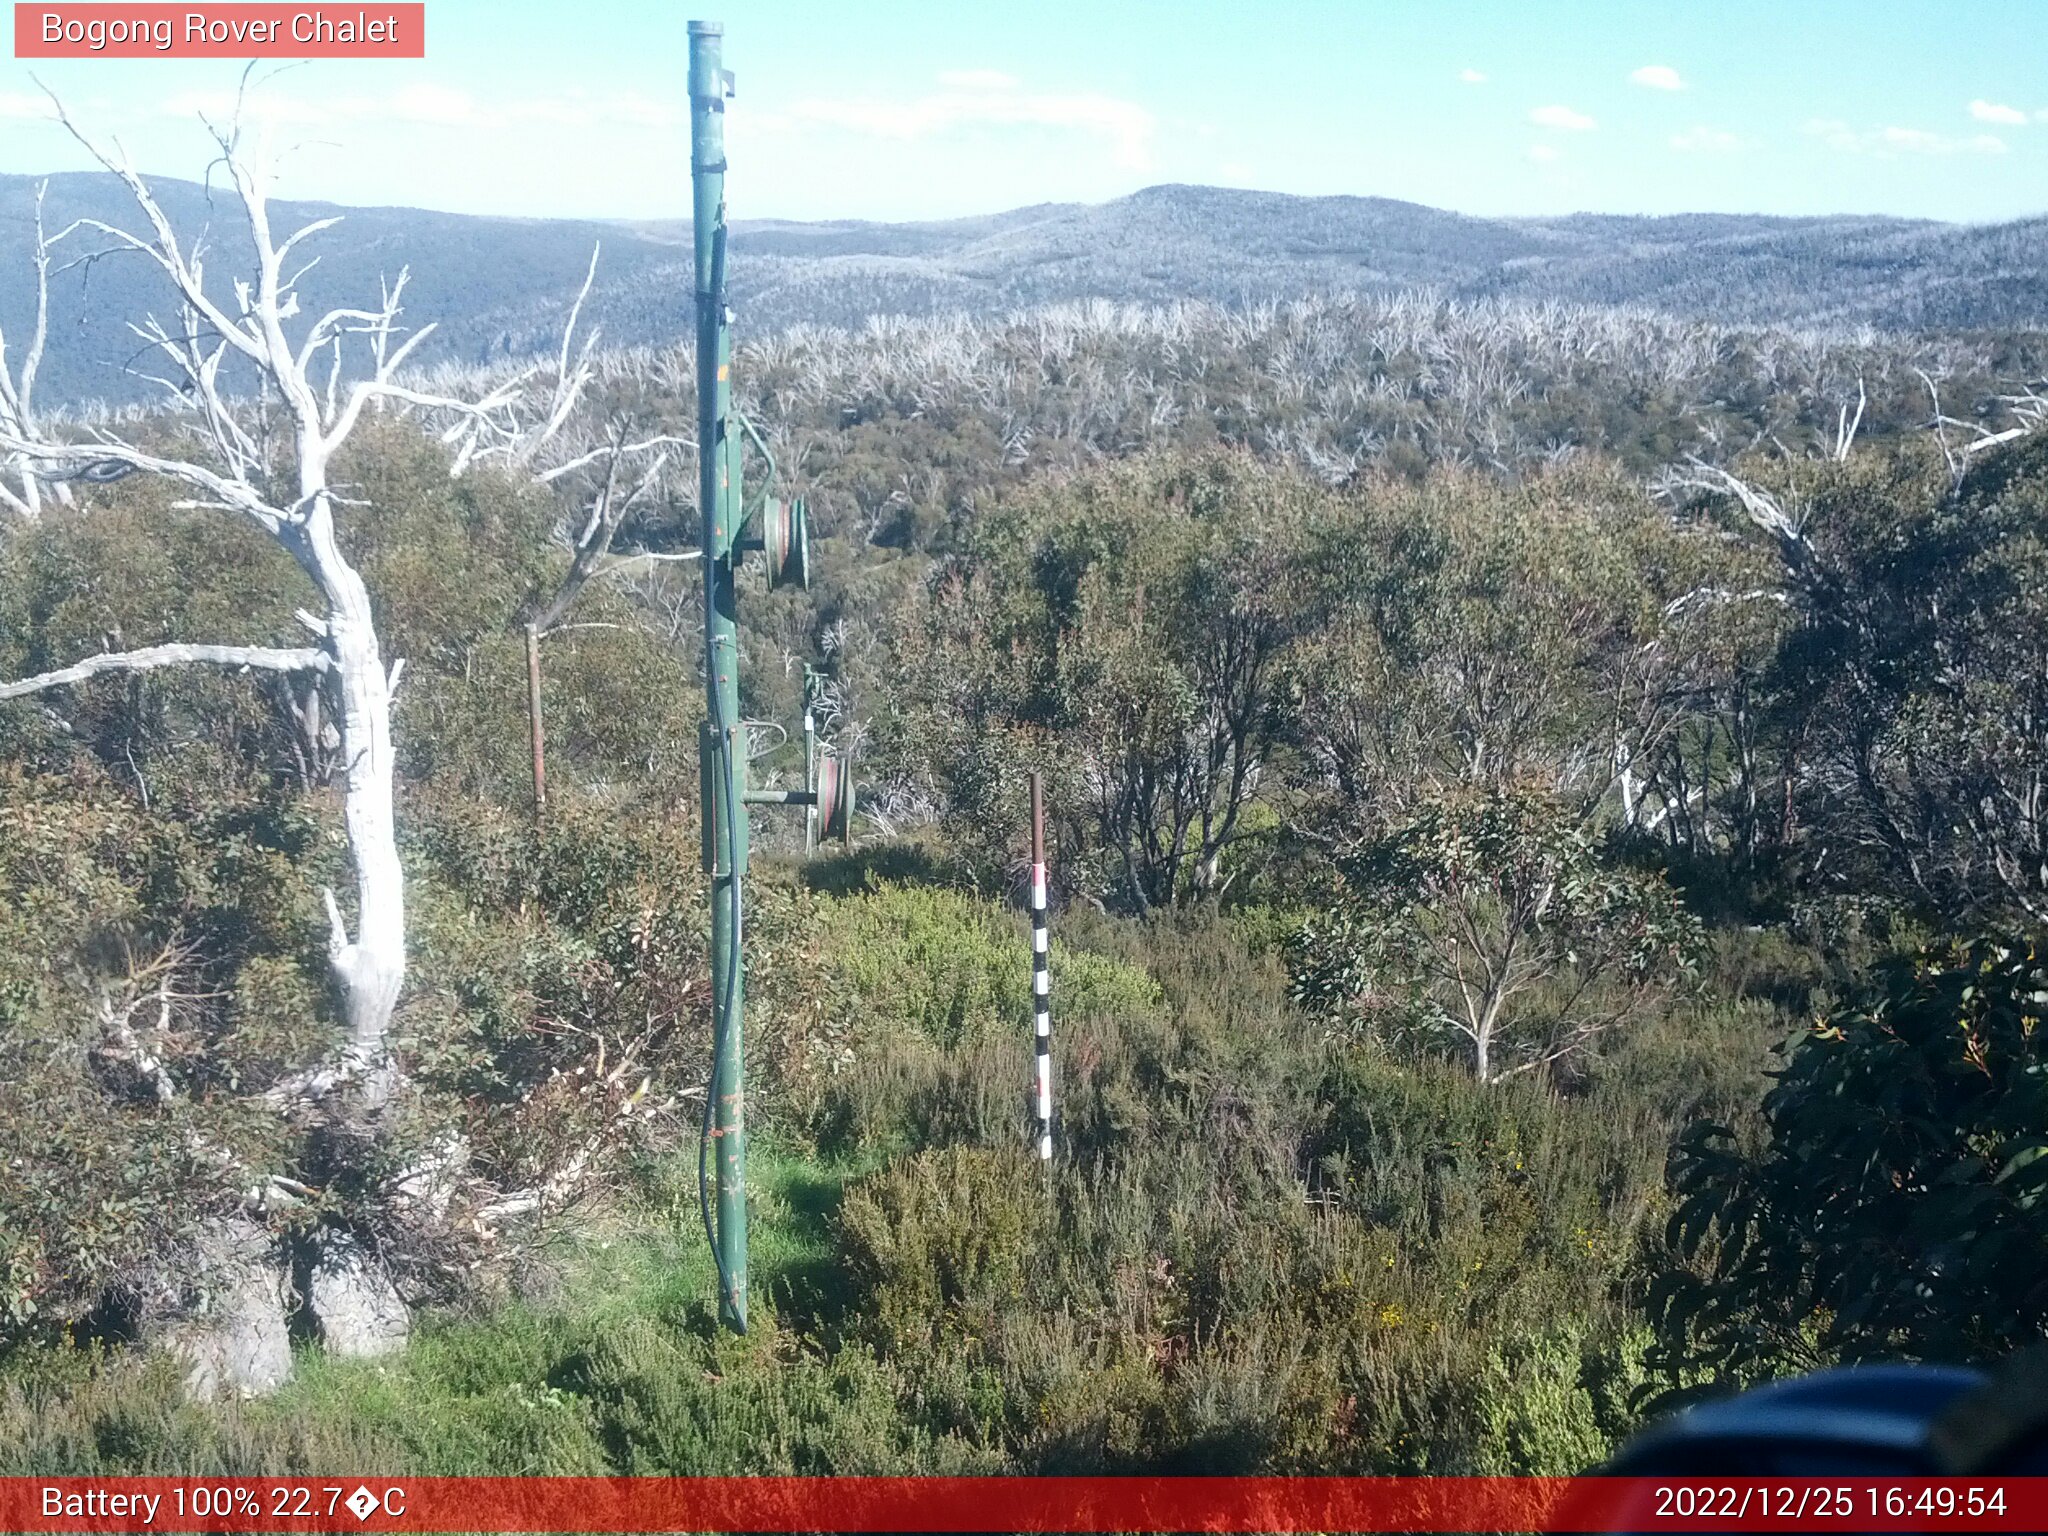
x=350 y=1296
x=1625 y=776
x=371 y=969
x=357 y=1309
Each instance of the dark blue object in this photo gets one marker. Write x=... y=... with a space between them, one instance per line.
x=1868 y=1420
x=1860 y=1421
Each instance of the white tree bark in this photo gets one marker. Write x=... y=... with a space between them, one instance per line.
x=259 y=658
x=372 y=967
x=17 y=390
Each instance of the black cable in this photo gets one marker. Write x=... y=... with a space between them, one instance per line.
x=721 y=1026
x=723 y=1017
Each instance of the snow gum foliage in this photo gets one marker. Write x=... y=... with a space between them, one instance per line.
x=1493 y=917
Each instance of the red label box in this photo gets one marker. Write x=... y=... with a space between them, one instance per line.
x=1053 y=1506
x=244 y=31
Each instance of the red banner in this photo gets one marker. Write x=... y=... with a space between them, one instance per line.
x=70 y=31
x=1021 y=1504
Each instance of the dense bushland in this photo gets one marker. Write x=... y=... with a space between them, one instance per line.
x=1437 y=848
x=1264 y=1248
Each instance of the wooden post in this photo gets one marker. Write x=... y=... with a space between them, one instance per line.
x=1041 y=973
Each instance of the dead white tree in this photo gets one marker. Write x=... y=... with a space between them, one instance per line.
x=24 y=495
x=261 y=403
x=1846 y=425
x=238 y=469
x=2029 y=408
x=1786 y=524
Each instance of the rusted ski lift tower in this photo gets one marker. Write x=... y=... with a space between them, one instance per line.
x=779 y=530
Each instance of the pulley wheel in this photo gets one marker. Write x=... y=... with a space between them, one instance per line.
x=786 y=540
x=835 y=798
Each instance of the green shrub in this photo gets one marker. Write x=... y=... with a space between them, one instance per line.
x=942 y=1241
x=1536 y=1418
x=138 y=951
x=1897 y=1201
x=1492 y=919
x=934 y=990
x=949 y=967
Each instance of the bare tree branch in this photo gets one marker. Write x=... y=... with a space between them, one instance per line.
x=155 y=657
x=238 y=495
x=584 y=460
x=1785 y=525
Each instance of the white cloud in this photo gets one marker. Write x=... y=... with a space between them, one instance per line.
x=1472 y=76
x=1545 y=154
x=1835 y=133
x=637 y=111
x=1706 y=141
x=1125 y=126
x=1920 y=142
x=1894 y=140
x=1561 y=117
x=1993 y=112
x=432 y=104
x=15 y=105
x=577 y=109
x=978 y=80
x=1658 y=77
x=257 y=107
x=437 y=106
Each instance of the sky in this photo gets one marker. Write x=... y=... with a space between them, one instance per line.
x=912 y=109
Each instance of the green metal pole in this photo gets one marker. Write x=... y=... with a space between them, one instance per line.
x=723 y=742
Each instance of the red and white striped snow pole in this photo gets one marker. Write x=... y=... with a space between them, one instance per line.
x=1041 y=973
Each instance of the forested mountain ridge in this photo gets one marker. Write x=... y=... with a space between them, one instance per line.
x=498 y=287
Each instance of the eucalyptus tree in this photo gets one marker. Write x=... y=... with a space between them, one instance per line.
x=1904 y=695
x=1490 y=918
x=1561 y=630
x=1889 y=1200
x=1149 y=613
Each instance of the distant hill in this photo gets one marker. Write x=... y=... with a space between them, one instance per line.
x=499 y=287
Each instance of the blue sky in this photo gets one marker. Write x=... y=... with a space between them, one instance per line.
x=933 y=108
